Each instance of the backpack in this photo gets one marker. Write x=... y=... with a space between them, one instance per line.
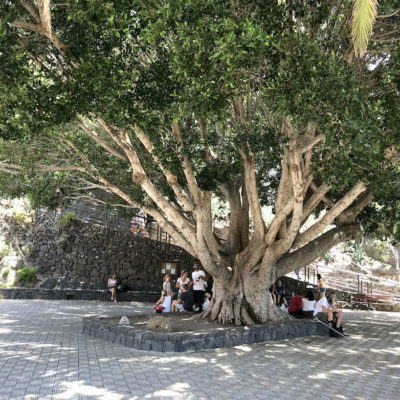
x=295 y=304
x=159 y=308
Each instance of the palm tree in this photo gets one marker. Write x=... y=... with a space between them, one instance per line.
x=364 y=16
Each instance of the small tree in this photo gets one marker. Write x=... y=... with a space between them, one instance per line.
x=165 y=104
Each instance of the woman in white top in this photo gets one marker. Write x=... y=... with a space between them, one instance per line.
x=308 y=303
x=183 y=280
x=112 y=287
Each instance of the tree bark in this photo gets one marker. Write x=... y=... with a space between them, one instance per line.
x=243 y=298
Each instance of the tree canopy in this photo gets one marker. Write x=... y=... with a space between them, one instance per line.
x=163 y=104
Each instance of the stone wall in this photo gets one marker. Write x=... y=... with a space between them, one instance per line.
x=83 y=256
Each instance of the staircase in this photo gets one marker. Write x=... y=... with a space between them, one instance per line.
x=350 y=282
x=111 y=219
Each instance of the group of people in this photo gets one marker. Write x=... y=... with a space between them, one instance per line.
x=192 y=293
x=325 y=309
x=140 y=224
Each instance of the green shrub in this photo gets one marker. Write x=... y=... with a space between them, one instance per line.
x=27 y=275
x=27 y=249
x=66 y=219
x=328 y=257
x=4 y=250
x=5 y=272
x=21 y=216
x=359 y=254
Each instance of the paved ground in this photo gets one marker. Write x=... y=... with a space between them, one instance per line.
x=43 y=355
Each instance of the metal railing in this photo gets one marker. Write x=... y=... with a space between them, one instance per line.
x=351 y=282
x=111 y=219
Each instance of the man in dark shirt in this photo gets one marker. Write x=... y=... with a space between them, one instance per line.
x=185 y=303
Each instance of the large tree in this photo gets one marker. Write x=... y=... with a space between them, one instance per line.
x=165 y=104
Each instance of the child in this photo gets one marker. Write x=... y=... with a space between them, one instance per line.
x=167 y=301
x=206 y=301
x=167 y=283
x=159 y=305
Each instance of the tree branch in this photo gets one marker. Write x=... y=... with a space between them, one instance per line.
x=316 y=248
x=252 y=192
x=172 y=179
x=328 y=218
x=389 y=15
x=45 y=16
x=313 y=201
x=81 y=123
x=349 y=216
x=187 y=168
x=31 y=10
x=312 y=143
x=18 y=23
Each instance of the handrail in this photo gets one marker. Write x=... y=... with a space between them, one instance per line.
x=393 y=282
x=111 y=220
x=363 y=283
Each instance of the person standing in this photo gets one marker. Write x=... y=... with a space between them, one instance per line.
x=321 y=286
x=167 y=283
x=199 y=284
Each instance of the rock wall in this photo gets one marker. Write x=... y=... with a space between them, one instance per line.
x=85 y=255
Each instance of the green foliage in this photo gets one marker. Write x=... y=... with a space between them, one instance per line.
x=21 y=216
x=154 y=62
x=382 y=249
x=355 y=250
x=5 y=272
x=27 y=275
x=4 y=250
x=328 y=257
x=66 y=220
x=27 y=249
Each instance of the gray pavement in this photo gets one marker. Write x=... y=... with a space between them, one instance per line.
x=43 y=356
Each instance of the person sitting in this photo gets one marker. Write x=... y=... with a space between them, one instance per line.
x=308 y=304
x=326 y=310
x=167 y=301
x=321 y=308
x=183 y=280
x=112 y=287
x=159 y=307
x=280 y=290
x=272 y=290
x=185 y=303
x=334 y=314
x=295 y=305
x=207 y=301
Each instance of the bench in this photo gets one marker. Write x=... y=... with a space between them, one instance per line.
x=372 y=299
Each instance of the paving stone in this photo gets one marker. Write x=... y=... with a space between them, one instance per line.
x=45 y=355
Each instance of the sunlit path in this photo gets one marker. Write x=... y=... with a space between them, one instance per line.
x=43 y=355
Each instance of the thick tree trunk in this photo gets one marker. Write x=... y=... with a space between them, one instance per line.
x=244 y=299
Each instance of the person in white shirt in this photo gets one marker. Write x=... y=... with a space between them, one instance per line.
x=207 y=301
x=199 y=285
x=167 y=302
x=183 y=280
x=308 y=303
x=326 y=310
x=321 y=309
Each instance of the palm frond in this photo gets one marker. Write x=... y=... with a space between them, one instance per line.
x=364 y=16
